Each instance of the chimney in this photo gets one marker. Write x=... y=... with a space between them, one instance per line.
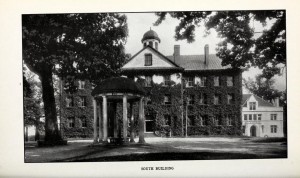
x=176 y=53
x=206 y=54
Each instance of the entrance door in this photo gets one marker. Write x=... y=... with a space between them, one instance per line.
x=253 y=131
x=149 y=122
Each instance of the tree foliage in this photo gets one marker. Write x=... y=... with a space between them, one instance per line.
x=240 y=47
x=71 y=46
x=264 y=88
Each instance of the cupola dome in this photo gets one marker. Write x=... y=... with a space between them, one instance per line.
x=151 y=38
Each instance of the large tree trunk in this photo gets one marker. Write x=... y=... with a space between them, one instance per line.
x=52 y=135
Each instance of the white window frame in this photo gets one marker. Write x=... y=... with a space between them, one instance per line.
x=252 y=106
x=229 y=81
x=216 y=81
x=273 y=128
x=259 y=116
x=148 y=81
x=229 y=120
x=203 y=81
x=83 y=120
x=190 y=81
x=82 y=101
x=69 y=102
x=230 y=100
x=81 y=84
x=273 y=117
x=73 y=122
x=167 y=80
x=245 y=117
x=203 y=98
x=217 y=98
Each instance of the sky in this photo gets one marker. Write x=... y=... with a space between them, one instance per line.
x=139 y=23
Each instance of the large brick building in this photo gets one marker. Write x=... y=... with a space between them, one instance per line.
x=187 y=94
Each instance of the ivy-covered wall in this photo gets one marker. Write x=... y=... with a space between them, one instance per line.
x=179 y=110
x=176 y=111
x=77 y=112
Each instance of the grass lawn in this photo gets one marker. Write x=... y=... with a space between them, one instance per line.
x=158 y=149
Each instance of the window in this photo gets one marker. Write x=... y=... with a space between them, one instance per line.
x=167 y=80
x=145 y=44
x=244 y=129
x=167 y=120
x=149 y=123
x=229 y=81
x=259 y=117
x=250 y=117
x=82 y=101
x=191 y=99
x=167 y=99
x=151 y=44
x=191 y=120
x=245 y=117
x=273 y=117
x=216 y=81
x=203 y=82
x=203 y=98
x=203 y=120
x=69 y=101
x=254 y=117
x=262 y=129
x=189 y=81
x=156 y=45
x=229 y=120
x=217 y=120
x=273 y=128
x=148 y=59
x=217 y=99
x=230 y=99
x=252 y=105
x=71 y=122
x=83 y=121
x=81 y=84
x=148 y=81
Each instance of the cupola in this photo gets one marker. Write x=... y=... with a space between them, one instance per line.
x=151 y=38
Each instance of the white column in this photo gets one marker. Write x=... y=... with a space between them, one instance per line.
x=131 y=122
x=95 y=120
x=100 y=123
x=124 y=117
x=141 y=121
x=104 y=118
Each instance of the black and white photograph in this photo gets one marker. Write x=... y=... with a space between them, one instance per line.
x=137 y=88
x=154 y=86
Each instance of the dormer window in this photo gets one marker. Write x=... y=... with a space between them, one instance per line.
x=252 y=105
x=148 y=59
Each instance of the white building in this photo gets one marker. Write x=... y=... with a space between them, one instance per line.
x=261 y=118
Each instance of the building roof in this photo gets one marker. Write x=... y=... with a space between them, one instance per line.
x=118 y=85
x=150 y=35
x=175 y=67
x=196 y=62
x=260 y=101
